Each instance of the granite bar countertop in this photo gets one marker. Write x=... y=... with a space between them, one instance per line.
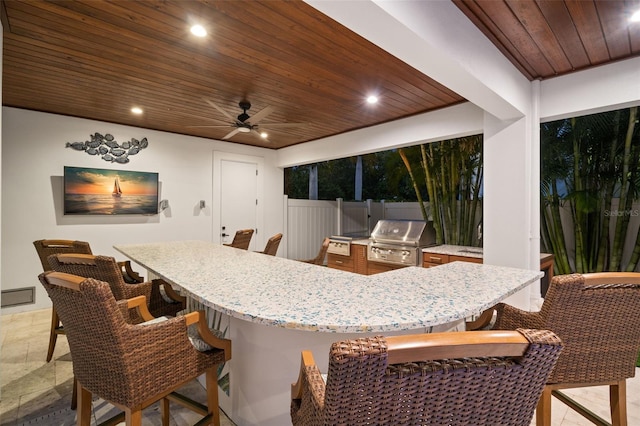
x=453 y=250
x=280 y=292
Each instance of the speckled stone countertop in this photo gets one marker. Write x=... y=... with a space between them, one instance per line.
x=465 y=251
x=280 y=292
x=455 y=250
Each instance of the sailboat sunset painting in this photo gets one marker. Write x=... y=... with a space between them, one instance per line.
x=109 y=192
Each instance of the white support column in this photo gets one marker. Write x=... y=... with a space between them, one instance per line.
x=535 y=165
x=511 y=199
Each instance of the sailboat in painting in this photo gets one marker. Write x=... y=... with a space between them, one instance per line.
x=117 y=192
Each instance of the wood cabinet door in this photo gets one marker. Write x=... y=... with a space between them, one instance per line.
x=434 y=259
x=376 y=268
x=359 y=253
x=337 y=261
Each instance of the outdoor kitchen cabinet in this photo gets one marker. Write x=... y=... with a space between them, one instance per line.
x=340 y=261
x=355 y=262
x=435 y=259
x=376 y=267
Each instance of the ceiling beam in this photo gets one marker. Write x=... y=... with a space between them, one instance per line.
x=591 y=91
x=446 y=123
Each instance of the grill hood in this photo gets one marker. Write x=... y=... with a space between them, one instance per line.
x=414 y=233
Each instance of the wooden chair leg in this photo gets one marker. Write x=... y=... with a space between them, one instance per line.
x=133 y=417
x=74 y=394
x=212 y=394
x=164 y=411
x=618 y=403
x=53 y=333
x=83 y=413
x=543 y=410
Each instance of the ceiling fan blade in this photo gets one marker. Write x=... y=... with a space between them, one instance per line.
x=223 y=112
x=255 y=118
x=282 y=125
x=219 y=127
x=230 y=134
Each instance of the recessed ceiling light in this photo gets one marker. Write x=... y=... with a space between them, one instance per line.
x=198 y=30
x=635 y=17
x=372 y=99
x=136 y=110
x=264 y=135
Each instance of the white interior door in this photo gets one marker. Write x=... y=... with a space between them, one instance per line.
x=238 y=198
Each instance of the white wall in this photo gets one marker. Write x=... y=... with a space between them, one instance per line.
x=33 y=156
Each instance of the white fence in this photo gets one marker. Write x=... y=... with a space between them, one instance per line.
x=307 y=223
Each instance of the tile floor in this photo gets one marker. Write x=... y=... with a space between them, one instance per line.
x=35 y=392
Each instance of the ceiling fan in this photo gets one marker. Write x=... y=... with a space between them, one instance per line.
x=244 y=123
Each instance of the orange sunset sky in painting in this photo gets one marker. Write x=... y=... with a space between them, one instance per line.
x=101 y=181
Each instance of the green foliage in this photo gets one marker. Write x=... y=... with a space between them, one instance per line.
x=590 y=168
x=453 y=177
x=336 y=179
x=384 y=178
x=296 y=182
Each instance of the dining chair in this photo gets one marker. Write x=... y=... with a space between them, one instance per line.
x=597 y=317
x=241 y=239
x=47 y=247
x=272 y=245
x=454 y=378
x=132 y=366
x=162 y=300
x=322 y=253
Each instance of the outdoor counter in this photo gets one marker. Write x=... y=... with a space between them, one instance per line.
x=277 y=307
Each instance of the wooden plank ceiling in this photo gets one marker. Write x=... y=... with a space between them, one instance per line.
x=547 y=38
x=97 y=59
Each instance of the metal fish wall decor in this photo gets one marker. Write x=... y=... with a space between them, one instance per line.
x=108 y=149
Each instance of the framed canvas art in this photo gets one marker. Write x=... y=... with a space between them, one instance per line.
x=109 y=192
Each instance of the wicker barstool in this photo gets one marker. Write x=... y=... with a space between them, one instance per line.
x=46 y=248
x=597 y=316
x=242 y=239
x=464 y=378
x=322 y=253
x=161 y=298
x=272 y=245
x=132 y=366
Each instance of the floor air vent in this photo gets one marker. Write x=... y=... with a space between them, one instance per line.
x=18 y=296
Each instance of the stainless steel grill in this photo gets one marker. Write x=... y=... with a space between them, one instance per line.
x=400 y=242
